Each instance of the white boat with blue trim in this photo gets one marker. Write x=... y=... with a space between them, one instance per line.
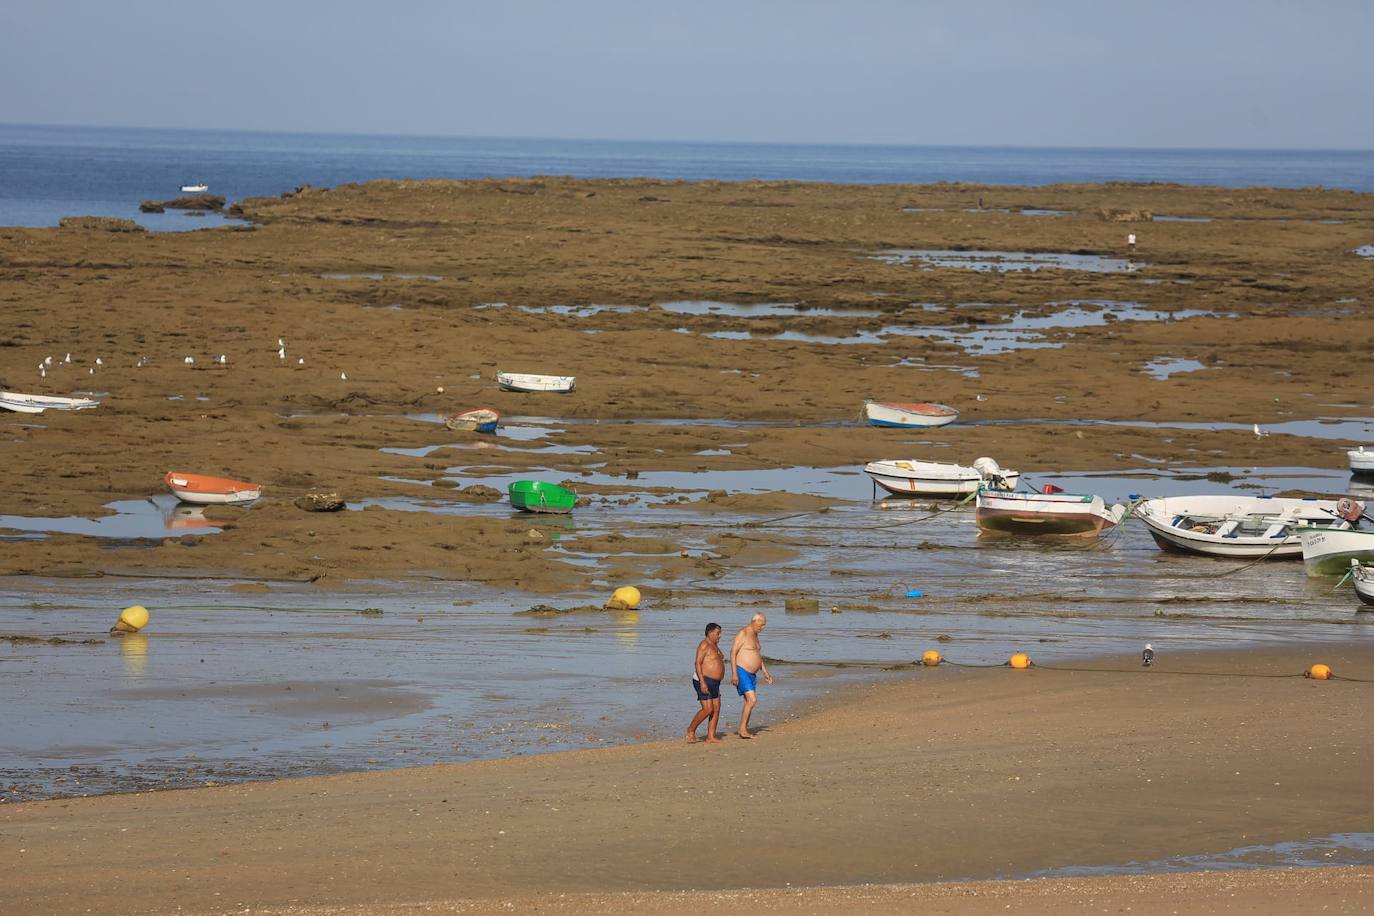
x=909 y=415
x=1250 y=527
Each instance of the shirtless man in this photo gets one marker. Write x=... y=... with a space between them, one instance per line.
x=746 y=661
x=707 y=671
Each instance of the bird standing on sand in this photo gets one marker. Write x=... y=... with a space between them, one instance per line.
x=281 y=353
x=301 y=361
x=68 y=359
x=1260 y=432
x=99 y=361
x=190 y=360
x=1147 y=658
x=343 y=376
x=223 y=360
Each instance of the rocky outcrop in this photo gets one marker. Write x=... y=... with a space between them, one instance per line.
x=320 y=502
x=187 y=202
x=1126 y=216
x=99 y=223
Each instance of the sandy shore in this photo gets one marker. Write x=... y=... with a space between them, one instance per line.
x=952 y=774
x=390 y=284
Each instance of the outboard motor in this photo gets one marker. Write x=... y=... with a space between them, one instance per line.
x=991 y=472
x=1349 y=510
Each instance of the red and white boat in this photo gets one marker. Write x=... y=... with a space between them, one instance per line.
x=210 y=491
x=907 y=415
x=1069 y=514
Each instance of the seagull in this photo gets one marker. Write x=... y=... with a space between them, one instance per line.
x=90 y=371
x=189 y=360
x=99 y=361
x=1260 y=432
x=68 y=359
x=1147 y=658
x=42 y=372
x=281 y=342
x=48 y=361
x=223 y=360
x=344 y=376
x=301 y=361
x=138 y=365
x=281 y=353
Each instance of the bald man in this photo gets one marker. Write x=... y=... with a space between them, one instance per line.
x=746 y=663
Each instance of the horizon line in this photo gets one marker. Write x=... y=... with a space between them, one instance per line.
x=682 y=142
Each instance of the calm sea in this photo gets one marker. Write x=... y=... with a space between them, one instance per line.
x=50 y=172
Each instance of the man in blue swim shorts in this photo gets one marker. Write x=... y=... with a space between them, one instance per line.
x=746 y=664
x=707 y=671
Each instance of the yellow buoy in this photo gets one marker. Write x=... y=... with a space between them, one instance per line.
x=931 y=658
x=1319 y=672
x=131 y=620
x=625 y=598
x=1020 y=660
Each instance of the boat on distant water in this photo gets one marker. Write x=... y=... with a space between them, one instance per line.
x=1240 y=526
x=220 y=491
x=37 y=403
x=198 y=187
x=1328 y=551
x=538 y=496
x=521 y=381
x=907 y=415
x=939 y=478
x=1361 y=460
x=479 y=419
x=1051 y=512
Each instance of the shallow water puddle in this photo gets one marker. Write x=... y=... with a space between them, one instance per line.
x=1008 y=261
x=1165 y=366
x=762 y=309
x=1161 y=218
x=1332 y=849
x=157 y=517
x=1320 y=428
x=338 y=275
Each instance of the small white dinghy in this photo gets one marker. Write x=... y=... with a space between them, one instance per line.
x=939 y=478
x=1051 y=512
x=908 y=415
x=1361 y=460
x=1237 y=526
x=520 y=381
x=1329 y=551
x=198 y=187
x=37 y=403
x=1364 y=581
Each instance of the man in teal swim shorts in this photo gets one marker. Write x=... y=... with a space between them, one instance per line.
x=746 y=663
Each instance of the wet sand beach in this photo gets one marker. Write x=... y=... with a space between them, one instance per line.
x=954 y=774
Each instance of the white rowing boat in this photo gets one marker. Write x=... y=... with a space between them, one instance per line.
x=37 y=403
x=908 y=415
x=1238 y=526
x=939 y=478
x=198 y=188
x=521 y=381
x=1070 y=514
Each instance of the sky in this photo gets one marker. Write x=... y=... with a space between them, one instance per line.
x=1202 y=73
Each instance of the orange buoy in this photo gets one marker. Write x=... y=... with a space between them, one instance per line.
x=1020 y=660
x=931 y=658
x=1319 y=672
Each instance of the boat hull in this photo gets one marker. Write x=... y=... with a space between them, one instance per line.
x=538 y=496
x=909 y=416
x=532 y=384
x=1059 y=514
x=1232 y=527
x=1364 y=584
x=481 y=420
x=37 y=403
x=211 y=491
x=930 y=478
x=1361 y=462
x=1328 y=552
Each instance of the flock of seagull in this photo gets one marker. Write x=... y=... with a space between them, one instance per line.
x=221 y=360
